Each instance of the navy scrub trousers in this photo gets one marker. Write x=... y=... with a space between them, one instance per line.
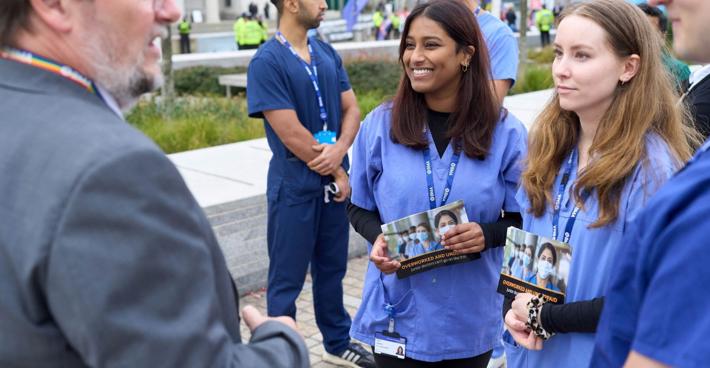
x=317 y=233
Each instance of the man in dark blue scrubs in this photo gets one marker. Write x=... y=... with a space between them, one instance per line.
x=300 y=88
x=656 y=311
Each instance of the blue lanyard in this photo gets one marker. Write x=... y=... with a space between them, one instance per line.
x=558 y=202
x=449 y=179
x=312 y=74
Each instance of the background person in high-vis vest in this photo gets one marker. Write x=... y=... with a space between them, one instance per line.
x=544 y=20
x=184 y=29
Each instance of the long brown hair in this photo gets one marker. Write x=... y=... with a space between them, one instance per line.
x=646 y=104
x=478 y=108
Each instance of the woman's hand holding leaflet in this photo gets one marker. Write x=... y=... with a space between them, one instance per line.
x=380 y=256
x=515 y=321
x=464 y=238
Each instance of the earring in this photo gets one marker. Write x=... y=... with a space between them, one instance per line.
x=623 y=81
x=464 y=68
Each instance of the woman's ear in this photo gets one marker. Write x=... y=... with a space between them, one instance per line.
x=631 y=68
x=469 y=51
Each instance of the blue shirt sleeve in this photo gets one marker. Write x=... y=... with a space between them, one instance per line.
x=504 y=57
x=514 y=152
x=267 y=88
x=657 y=302
x=673 y=319
x=367 y=161
x=502 y=48
x=649 y=177
x=342 y=73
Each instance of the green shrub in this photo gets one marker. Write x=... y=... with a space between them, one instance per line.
x=203 y=118
x=192 y=123
x=533 y=78
x=369 y=100
x=202 y=80
x=374 y=75
x=545 y=55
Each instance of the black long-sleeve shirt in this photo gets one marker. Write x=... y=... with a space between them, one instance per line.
x=581 y=316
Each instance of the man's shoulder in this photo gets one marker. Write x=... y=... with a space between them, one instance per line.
x=492 y=27
x=267 y=51
x=81 y=128
x=324 y=47
x=685 y=193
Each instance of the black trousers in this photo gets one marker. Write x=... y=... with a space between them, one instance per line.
x=386 y=361
x=184 y=43
x=545 y=38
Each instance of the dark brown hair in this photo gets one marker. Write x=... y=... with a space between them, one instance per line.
x=478 y=108
x=14 y=14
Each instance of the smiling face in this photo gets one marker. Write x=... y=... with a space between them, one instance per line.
x=431 y=61
x=691 y=30
x=586 y=72
x=122 y=46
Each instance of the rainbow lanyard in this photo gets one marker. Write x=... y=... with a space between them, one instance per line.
x=29 y=58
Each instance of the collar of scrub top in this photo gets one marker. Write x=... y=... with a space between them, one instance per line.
x=449 y=179
x=558 y=201
x=312 y=74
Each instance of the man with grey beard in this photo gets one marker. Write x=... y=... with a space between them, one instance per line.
x=105 y=257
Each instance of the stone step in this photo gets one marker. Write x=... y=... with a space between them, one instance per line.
x=240 y=227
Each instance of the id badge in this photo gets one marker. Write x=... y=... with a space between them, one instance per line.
x=325 y=137
x=391 y=344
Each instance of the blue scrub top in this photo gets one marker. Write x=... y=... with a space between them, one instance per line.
x=419 y=248
x=533 y=280
x=450 y=312
x=657 y=302
x=278 y=80
x=593 y=252
x=516 y=270
x=502 y=47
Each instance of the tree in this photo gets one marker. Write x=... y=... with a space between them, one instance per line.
x=522 y=40
x=168 y=89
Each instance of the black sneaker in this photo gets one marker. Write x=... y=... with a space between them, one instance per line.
x=354 y=356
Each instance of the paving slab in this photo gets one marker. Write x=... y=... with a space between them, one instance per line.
x=304 y=315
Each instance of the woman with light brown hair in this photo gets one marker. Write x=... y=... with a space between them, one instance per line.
x=609 y=138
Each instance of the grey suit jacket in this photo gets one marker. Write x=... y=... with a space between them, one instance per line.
x=106 y=260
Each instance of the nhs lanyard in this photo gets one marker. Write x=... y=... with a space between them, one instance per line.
x=29 y=58
x=449 y=178
x=558 y=202
x=312 y=74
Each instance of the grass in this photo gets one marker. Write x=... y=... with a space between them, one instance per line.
x=193 y=123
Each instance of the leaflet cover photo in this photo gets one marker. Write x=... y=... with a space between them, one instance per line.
x=535 y=264
x=415 y=240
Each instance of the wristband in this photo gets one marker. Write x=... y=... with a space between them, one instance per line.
x=534 y=307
